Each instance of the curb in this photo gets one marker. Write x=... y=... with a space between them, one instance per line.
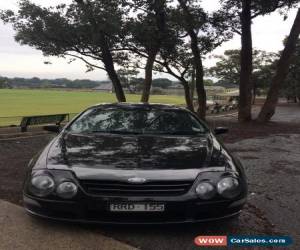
x=21 y=137
x=19 y=231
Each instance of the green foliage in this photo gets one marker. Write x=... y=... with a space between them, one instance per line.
x=227 y=71
x=137 y=83
x=264 y=68
x=127 y=78
x=227 y=68
x=212 y=30
x=163 y=83
x=208 y=82
x=232 y=10
x=147 y=29
x=70 y=30
x=63 y=28
x=3 y=83
x=259 y=7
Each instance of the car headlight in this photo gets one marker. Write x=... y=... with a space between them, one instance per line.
x=67 y=190
x=205 y=190
x=228 y=187
x=42 y=185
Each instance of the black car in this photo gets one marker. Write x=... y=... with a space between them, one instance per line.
x=135 y=163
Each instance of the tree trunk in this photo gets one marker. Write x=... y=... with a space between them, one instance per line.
x=110 y=69
x=187 y=90
x=148 y=77
x=107 y=58
x=254 y=93
x=158 y=6
x=246 y=87
x=201 y=94
x=269 y=106
x=187 y=95
x=295 y=91
x=197 y=60
x=193 y=85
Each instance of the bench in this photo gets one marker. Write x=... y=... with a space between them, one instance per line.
x=42 y=119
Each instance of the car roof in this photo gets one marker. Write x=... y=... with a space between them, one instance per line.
x=128 y=105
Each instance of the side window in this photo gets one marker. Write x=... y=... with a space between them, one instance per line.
x=196 y=125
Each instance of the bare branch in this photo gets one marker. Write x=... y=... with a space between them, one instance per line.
x=86 y=61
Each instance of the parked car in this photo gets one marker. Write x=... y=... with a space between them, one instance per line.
x=135 y=163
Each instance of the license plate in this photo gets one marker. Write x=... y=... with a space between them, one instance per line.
x=136 y=207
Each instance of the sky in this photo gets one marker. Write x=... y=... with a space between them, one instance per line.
x=23 y=61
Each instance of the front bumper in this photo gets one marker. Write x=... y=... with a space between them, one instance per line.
x=95 y=210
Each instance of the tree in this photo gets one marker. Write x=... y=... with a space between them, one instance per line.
x=3 y=83
x=88 y=30
x=147 y=35
x=126 y=76
x=291 y=89
x=193 y=34
x=227 y=70
x=269 y=106
x=264 y=67
x=242 y=14
x=137 y=83
x=178 y=62
x=208 y=82
x=246 y=86
x=190 y=25
x=163 y=83
x=291 y=86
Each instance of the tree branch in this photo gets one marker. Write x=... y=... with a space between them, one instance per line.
x=261 y=12
x=84 y=60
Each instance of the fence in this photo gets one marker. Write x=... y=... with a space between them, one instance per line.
x=14 y=121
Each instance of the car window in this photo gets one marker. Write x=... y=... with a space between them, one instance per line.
x=137 y=121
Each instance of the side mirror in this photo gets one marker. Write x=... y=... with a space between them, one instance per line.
x=52 y=128
x=221 y=130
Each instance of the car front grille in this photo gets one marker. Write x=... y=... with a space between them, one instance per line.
x=153 y=188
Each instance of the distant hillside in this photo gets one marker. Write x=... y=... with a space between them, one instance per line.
x=36 y=82
x=134 y=84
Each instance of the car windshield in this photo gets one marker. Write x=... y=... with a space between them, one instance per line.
x=137 y=121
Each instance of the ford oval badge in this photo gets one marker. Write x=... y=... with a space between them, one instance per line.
x=137 y=180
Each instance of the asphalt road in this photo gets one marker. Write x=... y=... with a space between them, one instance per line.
x=284 y=113
x=290 y=113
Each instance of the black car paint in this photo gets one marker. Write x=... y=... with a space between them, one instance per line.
x=118 y=157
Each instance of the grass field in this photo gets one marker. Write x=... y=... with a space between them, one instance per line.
x=18 y=103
